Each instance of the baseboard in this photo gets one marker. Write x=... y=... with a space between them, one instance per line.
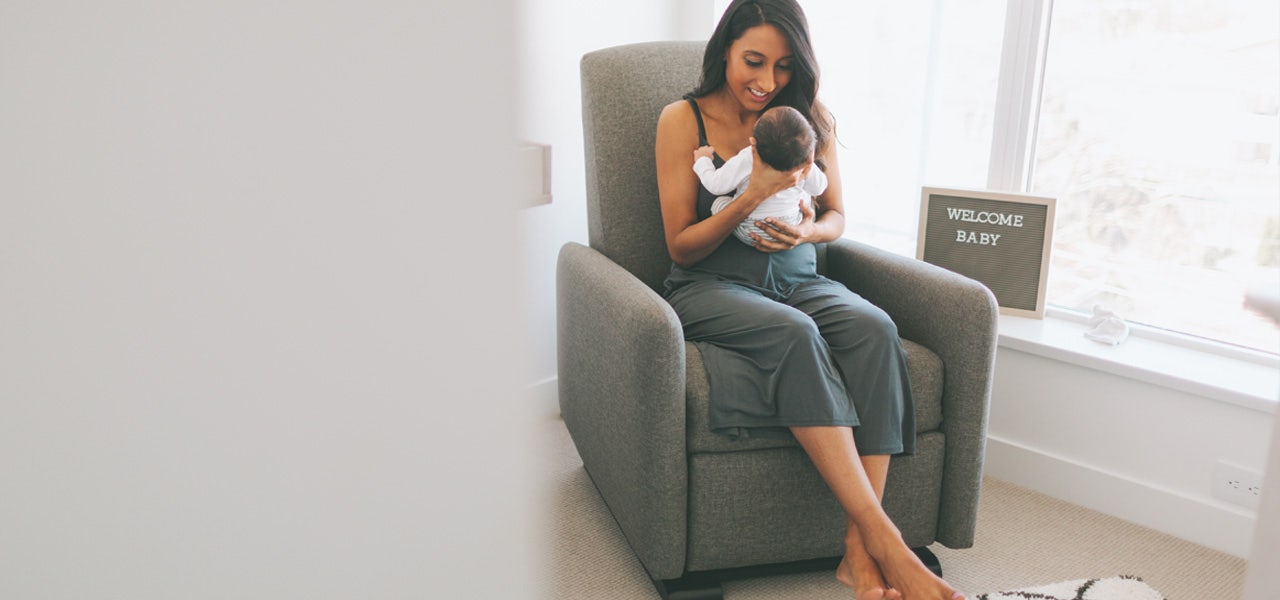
x=1204 y=521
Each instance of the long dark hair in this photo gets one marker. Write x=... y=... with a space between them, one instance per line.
x=801 y=93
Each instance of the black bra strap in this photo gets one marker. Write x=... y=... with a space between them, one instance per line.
x=702 y=129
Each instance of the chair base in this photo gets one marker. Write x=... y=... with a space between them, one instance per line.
x=706 y=585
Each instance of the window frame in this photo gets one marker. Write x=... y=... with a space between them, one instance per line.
x=1021 y=81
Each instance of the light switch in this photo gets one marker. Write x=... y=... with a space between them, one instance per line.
x=535 y=174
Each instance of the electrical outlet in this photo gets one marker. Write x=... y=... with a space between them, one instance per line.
x=1237 y=485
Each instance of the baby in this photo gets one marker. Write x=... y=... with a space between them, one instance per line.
x=785 y=140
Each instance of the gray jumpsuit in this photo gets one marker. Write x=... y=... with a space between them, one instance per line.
x=784 y=346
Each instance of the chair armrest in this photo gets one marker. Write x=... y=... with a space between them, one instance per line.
x=621 y=362
x=957 y=318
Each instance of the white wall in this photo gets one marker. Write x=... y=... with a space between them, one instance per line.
x=555 y=35
x=240 y=284
x=1140 y=451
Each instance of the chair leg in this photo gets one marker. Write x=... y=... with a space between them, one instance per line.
x=692 y=586
x=929 y=559
x=705 y=585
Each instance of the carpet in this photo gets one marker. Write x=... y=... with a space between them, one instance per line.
x=1124 y=587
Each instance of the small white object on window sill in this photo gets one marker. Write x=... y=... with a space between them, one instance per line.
x=1107 y=327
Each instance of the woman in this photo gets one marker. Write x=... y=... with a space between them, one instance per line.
x=786 y=350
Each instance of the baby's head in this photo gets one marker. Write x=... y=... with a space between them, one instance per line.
x=784 y=138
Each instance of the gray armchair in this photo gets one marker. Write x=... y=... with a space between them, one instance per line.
x=697 y=507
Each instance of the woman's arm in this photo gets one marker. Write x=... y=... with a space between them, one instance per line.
x=728 y=177
x=828 y=209
x=688 y=239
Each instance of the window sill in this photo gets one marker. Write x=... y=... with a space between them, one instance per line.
x=1250 y=380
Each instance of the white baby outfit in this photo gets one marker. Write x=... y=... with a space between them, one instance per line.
x=732 y=177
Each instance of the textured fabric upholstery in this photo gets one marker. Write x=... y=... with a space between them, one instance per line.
x=766 y=506
x=624 y=221
x=633 y=393
x=622 y=378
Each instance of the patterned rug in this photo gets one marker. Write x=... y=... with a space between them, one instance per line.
x=1124 y=587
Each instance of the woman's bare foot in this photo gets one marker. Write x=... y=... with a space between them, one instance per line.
x=907 y=574
x=858 y=572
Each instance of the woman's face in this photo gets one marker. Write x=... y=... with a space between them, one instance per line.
x=757 y=66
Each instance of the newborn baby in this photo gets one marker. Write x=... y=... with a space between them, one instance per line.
x=785 y=141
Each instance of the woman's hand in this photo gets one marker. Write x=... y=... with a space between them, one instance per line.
x=783 y=236
x=766 y=181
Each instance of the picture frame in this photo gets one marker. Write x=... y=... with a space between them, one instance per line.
x=1001 y=239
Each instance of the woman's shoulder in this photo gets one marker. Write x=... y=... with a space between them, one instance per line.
x=678 y=121
x=678 y=111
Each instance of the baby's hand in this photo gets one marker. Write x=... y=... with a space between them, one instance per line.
x=703 y=152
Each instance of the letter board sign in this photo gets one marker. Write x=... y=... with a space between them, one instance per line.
x=1000 y=239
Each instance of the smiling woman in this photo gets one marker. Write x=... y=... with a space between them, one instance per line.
x=751 y=73
x=759 y=65
x=785 y=348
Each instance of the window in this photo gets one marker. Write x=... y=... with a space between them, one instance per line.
x=1154 y=123
x=913 y=87
x=1158 y=133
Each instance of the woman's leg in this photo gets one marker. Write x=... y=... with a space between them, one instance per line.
x=858 y=570
x=757 y=353
x=863 y=343
x=791 y=347
x=833 y=452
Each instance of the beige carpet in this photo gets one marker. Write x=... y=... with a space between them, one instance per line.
x=1024 y=539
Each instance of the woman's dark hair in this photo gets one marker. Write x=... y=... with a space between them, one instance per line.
x=784 y=138
x=801 y=93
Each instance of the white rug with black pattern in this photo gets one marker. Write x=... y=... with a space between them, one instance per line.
x=1124 y=587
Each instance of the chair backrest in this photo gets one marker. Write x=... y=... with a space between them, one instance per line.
x=623 y=91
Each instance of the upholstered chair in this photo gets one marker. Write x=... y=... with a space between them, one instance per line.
x=697 y=507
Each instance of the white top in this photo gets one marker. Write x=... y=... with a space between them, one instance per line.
x=736 y=172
